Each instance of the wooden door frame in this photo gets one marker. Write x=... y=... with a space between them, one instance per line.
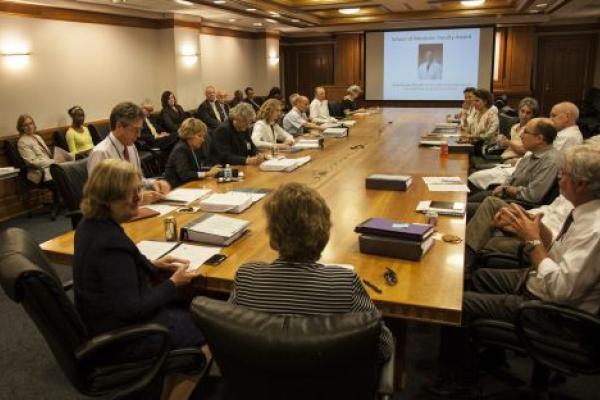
x=539 y=66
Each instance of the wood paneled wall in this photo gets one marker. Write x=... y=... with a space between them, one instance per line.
x=349 y=59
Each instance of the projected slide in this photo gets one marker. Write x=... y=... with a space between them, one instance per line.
x=430 y=64
x=425 y=64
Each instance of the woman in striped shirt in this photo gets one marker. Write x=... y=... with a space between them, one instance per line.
x=298 y=225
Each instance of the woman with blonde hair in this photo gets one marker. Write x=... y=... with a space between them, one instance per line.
x=267 y=132
x=115 y=285
x=187 y=161
x=348 y=105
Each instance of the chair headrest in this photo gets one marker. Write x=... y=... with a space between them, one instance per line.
x=305 y=339
x=19 y=255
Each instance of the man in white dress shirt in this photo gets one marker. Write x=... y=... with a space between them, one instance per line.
x=430 y=68
x=319 y=107
x=296 y=120
x=564 y=117
x=126 y=121
x=564 y=267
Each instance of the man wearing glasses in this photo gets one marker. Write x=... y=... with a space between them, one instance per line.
x=536 y=172
x=126 y=122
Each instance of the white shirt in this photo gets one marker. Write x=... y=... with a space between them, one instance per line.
x=567 y=137
x=111 y=148
x=319 y=111
x=213 y=105
x=571 y=273
x=265 y=136
x=433 y=70
x=491 y=176
x=555 y=214
x=294 y=121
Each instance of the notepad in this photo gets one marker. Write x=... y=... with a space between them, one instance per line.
x=234 y=202
x=155 y=249
x=284 y=164
x=185 y=196
x=445 y=184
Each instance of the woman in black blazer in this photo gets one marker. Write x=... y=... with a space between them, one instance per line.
x=187 y=162
x=115 y=285
x=172 y=114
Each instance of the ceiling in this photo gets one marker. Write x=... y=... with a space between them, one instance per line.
x=298 y=17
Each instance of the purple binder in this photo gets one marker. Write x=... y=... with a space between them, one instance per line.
x=396 y=229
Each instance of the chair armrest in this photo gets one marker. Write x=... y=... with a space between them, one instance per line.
x=387 y=373
x=100 y=342
x=549 y=331
x=111 y=338
x=67 y=285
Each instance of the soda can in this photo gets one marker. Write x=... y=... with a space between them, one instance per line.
x=170 y=229
x=444 y=149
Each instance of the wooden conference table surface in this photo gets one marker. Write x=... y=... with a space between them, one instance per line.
x=430 y=290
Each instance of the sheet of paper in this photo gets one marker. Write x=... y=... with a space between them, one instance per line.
x=183 y=195
x=154 y=249
x=442 y=179
x=255 y=196
x=220 y=225
x=60 y=155
x=161 y=208
x=196 y=254
x=448 y=188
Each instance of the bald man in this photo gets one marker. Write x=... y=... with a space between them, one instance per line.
x=564 y=117
x=296 y=120
x=209 y=111
x=319 y=107
x=222 y=103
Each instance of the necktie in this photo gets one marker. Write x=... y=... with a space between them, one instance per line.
x=222 y=112
x=125 y=154
x=566 y=225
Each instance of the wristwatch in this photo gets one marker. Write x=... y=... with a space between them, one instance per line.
x=530 y=244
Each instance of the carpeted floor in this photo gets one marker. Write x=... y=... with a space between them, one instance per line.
x=30 y=372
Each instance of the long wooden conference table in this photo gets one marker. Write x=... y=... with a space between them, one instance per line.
x=383 y=142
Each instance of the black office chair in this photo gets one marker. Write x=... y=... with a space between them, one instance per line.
x=335 y=109
x=98 y=132
x=556 y=337
x=70 y=177
x=26 y=187
x=27 y=278
x=273 y=356
x=60 y=139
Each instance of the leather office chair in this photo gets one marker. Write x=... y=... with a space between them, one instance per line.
x=98 y=132
x=335 y=109
x=27 y=278
x=60 y=140
x=556 y=337
x=69 y=178
x=25 y=186
x=272 y=356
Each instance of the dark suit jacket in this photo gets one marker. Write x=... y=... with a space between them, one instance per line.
x=147 y=140
x=111 y=279
x=171 y=119
x=254 y=103
x=181 y=166
x=232 y=147
x=206 y=113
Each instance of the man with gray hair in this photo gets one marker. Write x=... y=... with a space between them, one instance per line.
x=319 y=107
x=232 y=140
x=564 y=117
x=209 y=110
x=295 y=121
x=564 y=267
x=126 y=122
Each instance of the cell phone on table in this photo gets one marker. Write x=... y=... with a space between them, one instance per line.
x=216 y=259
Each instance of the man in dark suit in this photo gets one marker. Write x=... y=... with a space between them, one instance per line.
x=153 y=135
x=250 y=99
x=222 y=102
x=209 y=110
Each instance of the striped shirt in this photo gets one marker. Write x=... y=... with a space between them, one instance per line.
x=286 y=287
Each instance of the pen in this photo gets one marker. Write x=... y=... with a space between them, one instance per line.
x=369 y=284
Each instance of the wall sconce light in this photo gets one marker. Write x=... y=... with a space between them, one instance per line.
x=273 y=60
x=189 y=54
x=16 y=60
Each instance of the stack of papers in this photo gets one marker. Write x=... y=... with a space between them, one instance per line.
x=336 y=132
x=197 y=255
x=331 y=124
x=303 y=144
x=185 y=196
x=348 y=123
x=233 y=202
x=284 y=164
x=61 y=155
x=255 y=194
x=445 y=184
x=215 y=229
x=162 y=209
